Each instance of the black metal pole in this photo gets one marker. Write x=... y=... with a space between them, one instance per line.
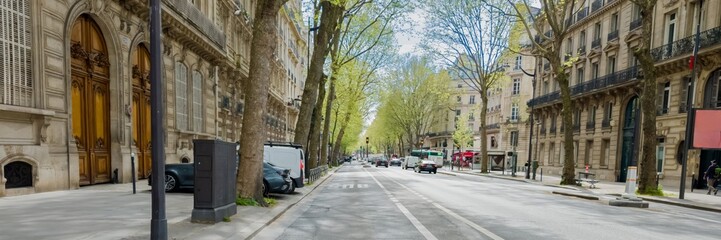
x=158 y=223
x=132 y=169
x=689 y=106
x=530 y=135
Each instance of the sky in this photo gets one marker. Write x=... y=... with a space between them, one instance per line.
x=409 y=39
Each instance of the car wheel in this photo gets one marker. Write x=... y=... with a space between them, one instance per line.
x=291 y=189
x=265 y=189
x=171 y=183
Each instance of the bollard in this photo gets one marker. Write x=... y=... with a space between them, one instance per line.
x=132 y=169
x=541 y=174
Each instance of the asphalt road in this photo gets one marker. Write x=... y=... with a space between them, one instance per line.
x=391 y=203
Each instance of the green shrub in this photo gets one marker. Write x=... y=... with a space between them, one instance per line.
x=271 y=201
x=226 y=219
x=246 y=202
x=653 y=192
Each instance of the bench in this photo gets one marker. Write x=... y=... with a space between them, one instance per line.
x=587 y=177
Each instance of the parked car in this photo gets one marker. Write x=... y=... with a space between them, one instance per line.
x=381 y=162
x=182 y=176
x=395 y=161
x=428 y=166
x=287 y=155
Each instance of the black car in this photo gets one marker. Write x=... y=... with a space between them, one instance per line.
x=381 y=162
x=182 y=176
x=395 y=161
x=427 y=166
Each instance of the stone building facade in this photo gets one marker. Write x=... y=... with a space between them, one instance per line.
x=74 y=90
x=605 y=88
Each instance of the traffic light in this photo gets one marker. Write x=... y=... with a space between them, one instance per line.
x=366 y=140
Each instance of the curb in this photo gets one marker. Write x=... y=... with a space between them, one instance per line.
x=315 y=186
x=696 y=206
x=578 y=195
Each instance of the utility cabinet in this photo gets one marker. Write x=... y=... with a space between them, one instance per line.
x=215 y=168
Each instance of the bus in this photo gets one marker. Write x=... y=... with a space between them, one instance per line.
x=432 y=155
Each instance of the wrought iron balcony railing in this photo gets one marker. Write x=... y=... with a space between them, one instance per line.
x=195 y=17
x=635 y=24
x=590 y=126
x=612 y=35
x=596 y=43
x=606 y=123
x=493 y=126
x=683 y=46
x=604 y=82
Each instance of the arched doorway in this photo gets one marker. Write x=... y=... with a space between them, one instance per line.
x=90 y=75
x=141 y=109
x=711 y=99
x=628 y=138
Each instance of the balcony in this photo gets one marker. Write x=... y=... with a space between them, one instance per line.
x=493 y=126
x=596 y=43
x=612 y=35
x=581 y=14
x=635 y=24
x=596 y=5
x=608 y=81
x=606 y=124
x=684 y=46
x=590 y=126
x=196 y=18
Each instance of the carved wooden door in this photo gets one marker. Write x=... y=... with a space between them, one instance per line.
x=90 y=101
x=141 y=110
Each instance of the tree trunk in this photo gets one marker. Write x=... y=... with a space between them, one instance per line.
x=647 y=165
x=325 y=139
x=568 y=176
x=250 y=170
x=339 y=139
x=484 y=137
x=329 y=19
x=314 y=143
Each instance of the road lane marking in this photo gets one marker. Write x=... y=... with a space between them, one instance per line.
x=417 y=224
x=475 y=226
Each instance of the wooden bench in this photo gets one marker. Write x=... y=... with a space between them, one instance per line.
x=587 y=177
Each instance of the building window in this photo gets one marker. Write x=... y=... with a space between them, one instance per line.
x=597 y=31
x=197 y=102
x=582 y=41
x=545 y=87
x=16 y=86
x=459 y=86
x=611 y=68
x=519 y=61
x=472 y=100
x=670 y=29
x=614 y=22
x=608 y=111
x=514 y=112
x=514 y=138
x=605 y=151
x=569 y=46
x=516 y=86
x=680 y=152
x=588 y=154
x=594 y=70
x=551 y=151
x=458 y=98
x=458 y=112
x=181 y=96
x=579 y=76
x=471 y=116
x=685 y=89
x=660 y=153
x=575 y=152
x=665 y=98
x=592 y=115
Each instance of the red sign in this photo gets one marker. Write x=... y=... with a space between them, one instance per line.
x=706 y=129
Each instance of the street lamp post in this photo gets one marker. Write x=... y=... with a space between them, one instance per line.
x=530 y=120
x=367 y=147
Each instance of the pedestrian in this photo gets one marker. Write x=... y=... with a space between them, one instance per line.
x=710 y=176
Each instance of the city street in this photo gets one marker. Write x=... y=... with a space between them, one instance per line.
x=390 y=203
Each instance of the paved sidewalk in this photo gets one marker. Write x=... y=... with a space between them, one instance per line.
x=111 y=211
x=696 y=199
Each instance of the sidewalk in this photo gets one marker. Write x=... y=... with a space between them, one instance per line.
x=111 y=211
x=697 y=199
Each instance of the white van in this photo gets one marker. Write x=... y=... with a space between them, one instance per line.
x=287 y=155
x=411 y=162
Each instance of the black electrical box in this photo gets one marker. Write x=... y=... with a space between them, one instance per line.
x=215 y=168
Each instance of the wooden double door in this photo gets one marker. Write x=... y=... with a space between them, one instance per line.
x=90 y=95
x=141 y=111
